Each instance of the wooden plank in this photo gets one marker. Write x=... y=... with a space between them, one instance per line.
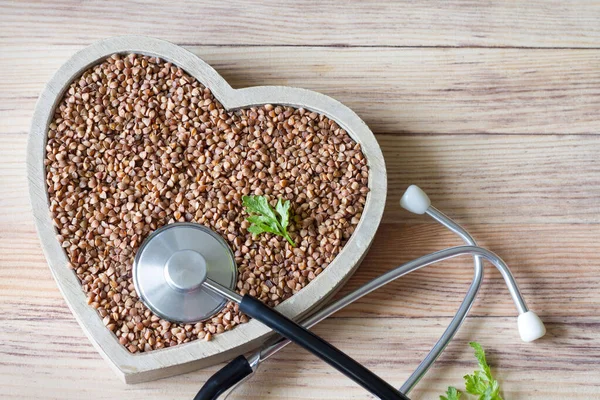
x=50 y=358
x=552 y=270
x=430 y=91
x=485 y=179
x=497 y=179
x=531 y=23
x=554 y=265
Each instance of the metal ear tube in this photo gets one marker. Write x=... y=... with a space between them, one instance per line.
x=415 y=200
x=529 y=324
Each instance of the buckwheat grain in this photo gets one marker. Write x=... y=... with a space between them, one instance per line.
x=136 y=143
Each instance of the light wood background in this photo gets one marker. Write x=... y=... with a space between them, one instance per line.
x=492 y=107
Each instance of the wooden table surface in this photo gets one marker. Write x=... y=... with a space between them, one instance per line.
x=492 y=107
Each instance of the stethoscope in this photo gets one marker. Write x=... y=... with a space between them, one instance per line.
x=186 y=273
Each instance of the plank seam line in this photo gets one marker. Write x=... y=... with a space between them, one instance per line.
x=351 y=46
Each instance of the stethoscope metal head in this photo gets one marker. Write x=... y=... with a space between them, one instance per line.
x=172 y=266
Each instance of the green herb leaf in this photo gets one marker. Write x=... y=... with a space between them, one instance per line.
x=258 y=205
x=283 y=209
x=481 y=382
x=264 y=219
x=256 y=230
x=451 y=394
x=263 y=223
x=480 y=355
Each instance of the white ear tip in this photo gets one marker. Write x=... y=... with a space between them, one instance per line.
x=415 y=200
x=531 y=326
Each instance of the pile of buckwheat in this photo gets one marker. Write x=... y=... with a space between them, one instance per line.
x=136 y=143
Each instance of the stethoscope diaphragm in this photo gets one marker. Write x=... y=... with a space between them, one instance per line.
x=173 y=263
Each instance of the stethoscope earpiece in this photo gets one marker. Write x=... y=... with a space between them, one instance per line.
x=415 y=200
x=530 y=326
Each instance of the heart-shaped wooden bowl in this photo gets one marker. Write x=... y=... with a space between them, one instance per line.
x=196 y=354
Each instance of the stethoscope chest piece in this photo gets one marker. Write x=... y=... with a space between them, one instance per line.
x=173 y=263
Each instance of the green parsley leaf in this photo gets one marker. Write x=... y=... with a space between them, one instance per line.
x=283 y=209
x=481 y=382
x=258 y=205
x=264 y=219
x=451 y=394
x=256 y=229
x=262 y=224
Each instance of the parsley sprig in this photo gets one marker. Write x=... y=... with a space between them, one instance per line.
x=481 y=383
x=264 y=219
x=451 y=394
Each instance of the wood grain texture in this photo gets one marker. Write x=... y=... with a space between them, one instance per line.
x=554 y=368
x=395 y=90
x=452 y=114
x=531 y=23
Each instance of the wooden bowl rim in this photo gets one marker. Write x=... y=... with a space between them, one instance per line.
x=156 y=364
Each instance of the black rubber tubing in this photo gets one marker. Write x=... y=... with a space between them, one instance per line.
x=226 y=377
x=319 y=347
